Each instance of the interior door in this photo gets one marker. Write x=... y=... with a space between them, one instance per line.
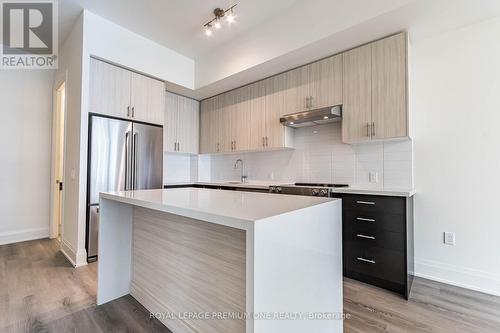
x=147 y=157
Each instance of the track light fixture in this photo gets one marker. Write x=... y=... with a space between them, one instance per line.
x=216 y=22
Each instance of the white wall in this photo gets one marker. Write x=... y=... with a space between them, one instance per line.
x=320 y=156
x=456 y=131
x=93 y=35
x=114 y=43
x=70 y=70
x=180 y=168
x=25 y=158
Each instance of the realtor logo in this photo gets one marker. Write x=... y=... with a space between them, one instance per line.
x=29 y=34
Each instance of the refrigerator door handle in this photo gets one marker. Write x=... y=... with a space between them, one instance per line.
x=134 y=161
x=127 y=148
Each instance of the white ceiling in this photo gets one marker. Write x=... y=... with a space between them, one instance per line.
x=273 y=36
x=176 y=24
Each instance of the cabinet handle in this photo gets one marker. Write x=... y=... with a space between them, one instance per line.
x=263 y=142
x=364 y=219
x=366 y=260
x=133 y=111
x=367 y=129
x=373 y=129
x=128 y=111
x=267 y=141
x=218 y=147
x=178 y=146
x=310 y=101
x=365 y=202
x=365 y=236
x=175 y=146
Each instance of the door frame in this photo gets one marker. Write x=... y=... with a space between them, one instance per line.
x=53 y=192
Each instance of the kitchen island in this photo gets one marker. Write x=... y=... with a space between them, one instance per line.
x=205 y=260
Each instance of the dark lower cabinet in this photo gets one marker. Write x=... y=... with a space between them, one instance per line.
x=377 y=233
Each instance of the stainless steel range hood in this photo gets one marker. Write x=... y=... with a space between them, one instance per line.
x=313 y=117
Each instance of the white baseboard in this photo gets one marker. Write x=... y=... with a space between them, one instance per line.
x=472 y=279
x=77 y=258
x=68 y=252
x=23 y=235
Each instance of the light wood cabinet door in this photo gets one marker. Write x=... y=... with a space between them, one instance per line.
x=209 y=126
x=188 y=126
x=325 y=87
x=275 y=108
x=147 y=99
x=389 y=82
x=109 y=89
x=241 y=119
x=257 y=114
x=296 y=90
x=205 y=135
x=171 y=122
x=357 y=95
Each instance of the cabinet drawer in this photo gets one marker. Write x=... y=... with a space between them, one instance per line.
x=374 y=204
x=375 y=220
x=374 y=261
x=369 y=236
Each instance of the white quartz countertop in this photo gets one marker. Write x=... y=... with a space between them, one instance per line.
x=396 y=192
x=252 y=184
x=231 y=208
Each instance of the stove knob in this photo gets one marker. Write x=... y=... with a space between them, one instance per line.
x=315 y=192
x=324 y=193
x=278 y=189
x=272 y=189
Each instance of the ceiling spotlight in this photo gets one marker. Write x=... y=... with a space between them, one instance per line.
x=217 y=20
x=325 y=117
x=217 y=24
x=208 y=29
x=230 y=16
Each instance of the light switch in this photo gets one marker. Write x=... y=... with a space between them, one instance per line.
x=449 y=238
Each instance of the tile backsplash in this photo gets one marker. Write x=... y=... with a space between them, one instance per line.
x=320 y=156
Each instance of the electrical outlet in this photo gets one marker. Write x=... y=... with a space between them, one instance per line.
x=373 y=177
x=449 y=238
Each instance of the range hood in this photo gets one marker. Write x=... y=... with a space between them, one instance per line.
x=313 y=117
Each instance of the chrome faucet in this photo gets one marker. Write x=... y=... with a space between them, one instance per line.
x=243 y=176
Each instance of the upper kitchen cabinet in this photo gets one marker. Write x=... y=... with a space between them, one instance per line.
x=181 y=124
x=109 y=89
x=357 y=95
x=147 y=99
x=389 y=87
x=121 y=93
x=296 y=89
x=375 y=91
x=209 y=126
x=313 y=86
x=325 y=82
x=276 y=135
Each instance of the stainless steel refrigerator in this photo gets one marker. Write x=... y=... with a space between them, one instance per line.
x=123 y=155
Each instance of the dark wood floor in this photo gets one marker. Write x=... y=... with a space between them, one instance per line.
x=41 y=292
